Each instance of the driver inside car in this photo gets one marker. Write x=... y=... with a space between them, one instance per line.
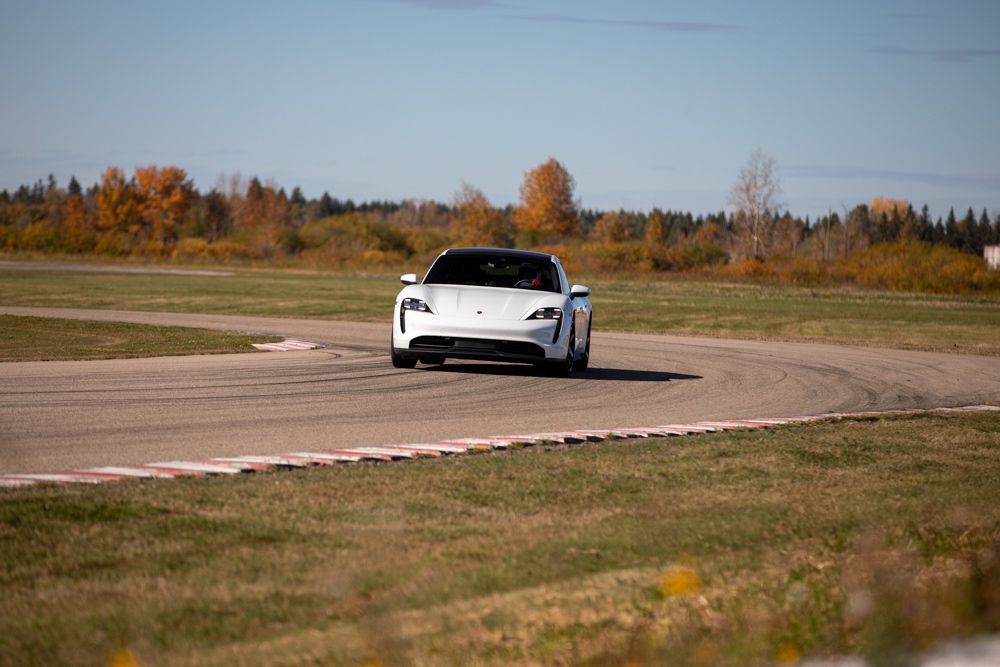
x=529 y=275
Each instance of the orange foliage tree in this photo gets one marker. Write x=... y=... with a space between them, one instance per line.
x=547 y=204
x=653 y=233
x=612 y=227
x=891 y=219
x=76 y=222
x=163 y=197
x=260 y=217
x=476 y=221
x=887 y=207
x=116 y=203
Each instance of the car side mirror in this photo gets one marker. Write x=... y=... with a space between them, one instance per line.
x=408 y=279
x=579 y=290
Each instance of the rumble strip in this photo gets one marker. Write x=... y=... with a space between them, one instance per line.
x=247 y=464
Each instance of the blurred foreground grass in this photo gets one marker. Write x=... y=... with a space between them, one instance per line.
x=873 y=537
x=672 y=305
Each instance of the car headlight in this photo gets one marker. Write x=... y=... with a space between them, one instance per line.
x=415 y=304
x=411 y=304
x=546 y=314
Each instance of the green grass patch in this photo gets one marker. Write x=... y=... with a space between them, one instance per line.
x=871 y=537
x=672 y=305
x=51 y=339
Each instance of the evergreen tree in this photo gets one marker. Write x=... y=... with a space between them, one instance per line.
x=925 y=226
x=968 y=230
x=329 y=206
x=985 y=230
x=74 y=189
x=951 y=236
x=218 y=216
x=908 y=226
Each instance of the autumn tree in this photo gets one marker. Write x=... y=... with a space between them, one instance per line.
x=653 y=233
x=76 y=222
x=708 y=234
x=116 y=203
x=547 y=205
x=612 y=227
x=891 y=219
x=887 y=206
x=476 y=221
x=755 y=198
x=260 y=217
x=163 y=197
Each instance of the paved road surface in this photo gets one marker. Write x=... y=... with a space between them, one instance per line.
x=69 y=415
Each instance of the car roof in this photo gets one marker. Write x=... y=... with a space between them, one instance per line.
x=507 y=252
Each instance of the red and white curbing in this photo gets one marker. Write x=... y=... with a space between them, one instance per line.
x=287 y=345
x=245 y=464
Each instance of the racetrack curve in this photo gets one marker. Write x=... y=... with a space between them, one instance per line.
x=70 y=415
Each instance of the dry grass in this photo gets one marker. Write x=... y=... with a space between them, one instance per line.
x=862 y=537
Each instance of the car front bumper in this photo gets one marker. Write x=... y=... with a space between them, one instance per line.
x=421 y=334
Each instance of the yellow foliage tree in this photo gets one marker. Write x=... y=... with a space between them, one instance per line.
x=895 y=217
x=653 y=234
x=547 y=204
x=260 y=217
x=709 y=233
x=886 y=206
x=76 y=222
x=612 y=227
x=476 y=221
x=163 y=197
x=116 y=204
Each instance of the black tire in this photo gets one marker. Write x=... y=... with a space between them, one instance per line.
x=584 y=362
x=398 y=361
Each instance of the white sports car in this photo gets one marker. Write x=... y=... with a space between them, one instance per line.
x=493 y=304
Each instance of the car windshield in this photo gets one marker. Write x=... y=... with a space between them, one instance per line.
x=494 y=271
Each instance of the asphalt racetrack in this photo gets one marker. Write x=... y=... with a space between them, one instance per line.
x=68 y=415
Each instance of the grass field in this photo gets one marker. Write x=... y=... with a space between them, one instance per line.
x=872 y=537
x=678 y=306
x=49 y=339
x=866 y=537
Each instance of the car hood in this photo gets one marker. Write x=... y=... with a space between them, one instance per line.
x=497 y=303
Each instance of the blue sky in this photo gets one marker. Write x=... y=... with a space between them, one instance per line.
x=647 y=103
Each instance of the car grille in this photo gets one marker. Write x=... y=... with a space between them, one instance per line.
x=500 y=348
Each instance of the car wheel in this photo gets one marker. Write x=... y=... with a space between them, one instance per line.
x=584 y=362
x=398 y=361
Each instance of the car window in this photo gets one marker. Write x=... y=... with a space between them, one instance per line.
x=494 y=271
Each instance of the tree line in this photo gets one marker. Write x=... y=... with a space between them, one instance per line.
x=158 y=212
